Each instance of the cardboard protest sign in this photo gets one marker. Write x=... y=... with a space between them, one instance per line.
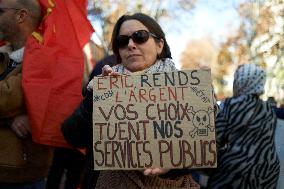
x=154 y=120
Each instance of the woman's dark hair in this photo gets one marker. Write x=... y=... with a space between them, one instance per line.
x=152 y=26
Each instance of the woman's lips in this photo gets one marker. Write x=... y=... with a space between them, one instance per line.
x=133 y=56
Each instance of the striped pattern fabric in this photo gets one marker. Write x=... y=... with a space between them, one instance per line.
x=279 y=140
x=248 y=160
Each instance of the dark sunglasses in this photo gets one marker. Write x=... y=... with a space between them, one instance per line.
x=138 y=37
x=2 y=9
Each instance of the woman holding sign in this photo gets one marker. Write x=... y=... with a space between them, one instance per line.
x=140 y=46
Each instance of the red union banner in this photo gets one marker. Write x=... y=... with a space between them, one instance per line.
x=53 y=68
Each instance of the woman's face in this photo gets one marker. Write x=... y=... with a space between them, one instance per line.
x=137 y=57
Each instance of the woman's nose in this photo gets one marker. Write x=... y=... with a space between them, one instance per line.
x=131 y=44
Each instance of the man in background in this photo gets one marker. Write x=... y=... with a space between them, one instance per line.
x=23 y=164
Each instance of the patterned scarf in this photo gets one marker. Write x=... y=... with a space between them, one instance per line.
x=165 y=65
x=17 y=55
x=249 y=79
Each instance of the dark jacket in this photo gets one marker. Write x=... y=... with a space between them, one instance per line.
x=279 y=112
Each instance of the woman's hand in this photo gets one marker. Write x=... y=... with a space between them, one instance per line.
x=106 y=71
x=21 y=126
x=155 y=171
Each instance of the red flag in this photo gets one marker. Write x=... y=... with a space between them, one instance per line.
x=2 y=43
x=53 y=68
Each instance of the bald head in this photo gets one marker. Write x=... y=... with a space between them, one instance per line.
x=33 y=8
x=18 y=20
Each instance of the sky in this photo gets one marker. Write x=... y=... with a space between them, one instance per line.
x=210 y=18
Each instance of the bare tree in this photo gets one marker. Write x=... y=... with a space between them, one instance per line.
x=259 y=40
x=106 y=12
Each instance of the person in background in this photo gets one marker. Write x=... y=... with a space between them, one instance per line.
x=66 y=169
x=271 y=100
x=245 y=130
x=279 y=142
x=280 y=112
x=23 y=164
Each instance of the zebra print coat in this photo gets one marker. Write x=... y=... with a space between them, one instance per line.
x=246 y=150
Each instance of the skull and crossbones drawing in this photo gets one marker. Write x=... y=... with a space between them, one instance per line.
x=202 y=121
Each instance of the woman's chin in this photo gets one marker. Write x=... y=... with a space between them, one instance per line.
x=135 y=66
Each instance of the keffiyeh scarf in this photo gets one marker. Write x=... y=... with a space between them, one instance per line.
x=249 y=79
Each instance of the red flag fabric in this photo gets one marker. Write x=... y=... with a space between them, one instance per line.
x=53 y=68
x=82 y=4
x=2 y=43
